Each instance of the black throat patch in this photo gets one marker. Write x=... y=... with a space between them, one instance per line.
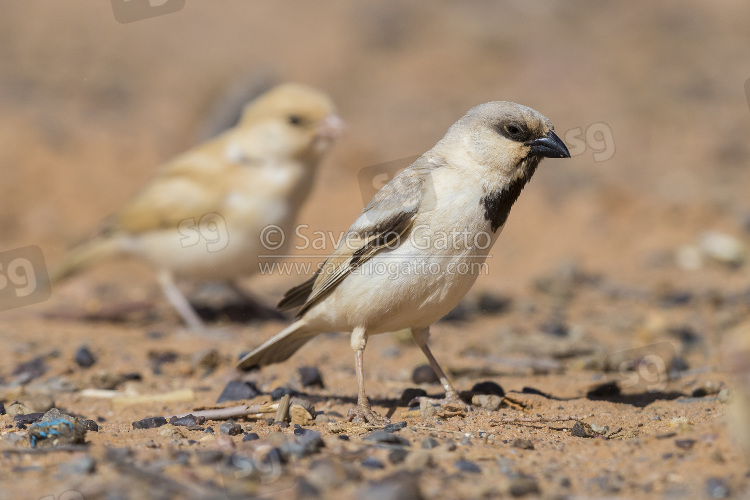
x=497 y=204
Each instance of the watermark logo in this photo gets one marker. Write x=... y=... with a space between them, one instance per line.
x=259 y=470
x=210 y=228
x=598 y=137
x=129 y=11
x=372 y=179
x=23 y=278
x=645 y=369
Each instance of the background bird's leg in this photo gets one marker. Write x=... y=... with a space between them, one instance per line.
x=179 y=301
x=362 y=413
x=420 y=336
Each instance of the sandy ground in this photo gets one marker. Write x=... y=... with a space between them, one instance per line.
x=604 y=302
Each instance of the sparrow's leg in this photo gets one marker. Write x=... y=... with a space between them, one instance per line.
x=179 y=302
x=362 y=413
x=452 y=399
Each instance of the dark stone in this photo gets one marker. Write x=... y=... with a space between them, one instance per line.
x=150 y=423
x=424 y=374
x=187 y=421
x=159 y=358
x=468 y=466
x=372 y=463
x=524 y=444
x=411 y=393
x=492 y=304
x=29 y=418
x=2 y=408
x=280 y=392
x=429 y=443
x=250 y=436
x=400 y=486
x=717 y=487
x=381 y=436
x=84 y=358
x=28 y=371
x=301 y=446
x=523 y=485
x=209 y=430
x=91 y=425
x=684 y=444
x=397 y=426
x=237 y=390
x=488 y=387
x=604 y=390
x=397 y=455
x=230 y=428
x=310 y=376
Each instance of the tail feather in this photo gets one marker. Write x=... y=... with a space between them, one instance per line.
x=279 y=347
x=83 y=255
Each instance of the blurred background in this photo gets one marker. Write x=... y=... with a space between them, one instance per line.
x=650 y=99
x=652 y=213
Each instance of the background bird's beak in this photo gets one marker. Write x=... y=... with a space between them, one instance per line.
x=550 y=146
x=331 y=127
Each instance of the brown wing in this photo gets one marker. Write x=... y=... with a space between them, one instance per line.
x=385 y=222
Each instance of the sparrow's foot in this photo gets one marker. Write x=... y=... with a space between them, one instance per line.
x=362 y=414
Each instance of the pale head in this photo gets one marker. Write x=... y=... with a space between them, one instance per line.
x=505 y=139
x=293 y=118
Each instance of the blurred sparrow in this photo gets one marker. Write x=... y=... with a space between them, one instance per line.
x=203 y=216
x=392 y=269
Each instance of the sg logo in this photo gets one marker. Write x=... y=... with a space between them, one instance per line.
x=129 y=11
x=23 y=278
x=211 y=227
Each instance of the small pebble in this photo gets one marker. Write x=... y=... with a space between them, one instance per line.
x=187 y=421
x=491 y=402
x=208 y=430
x=426 y=408
x=429 y=443
x=524 y=444
x=397 y=426
x=424 y=374
x=468 y=466
x=23 y=420
x=684 y=444
x=84 y=358
x=90 y=425
x=310 y=377
x=2 y=408
x=280 y=392
x=230 y=428
x=372 y=463
x=381 y=436
x=30 y=370
x=583 y=430
x=717 y=487
x=250 y=436
x=397 y=455
x=237 y=390
x=149 y=423
x=523 y=485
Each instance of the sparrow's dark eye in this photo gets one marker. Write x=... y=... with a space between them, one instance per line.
x=294 y=120
x=514 y=131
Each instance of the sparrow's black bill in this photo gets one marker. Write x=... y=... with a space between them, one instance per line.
x=550 y=146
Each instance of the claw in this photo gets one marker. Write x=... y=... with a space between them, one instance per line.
x=361 y=414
